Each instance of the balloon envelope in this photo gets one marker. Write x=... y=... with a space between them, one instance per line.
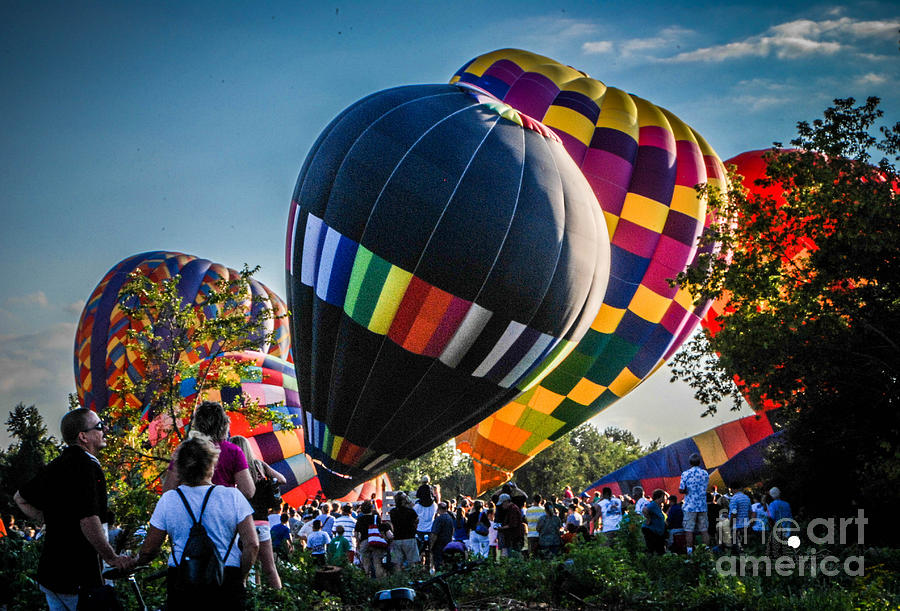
x=732 y=452
x=751 y=165
x=102 y=356
x=270 y=382
x=443 y=254
x=642 y=163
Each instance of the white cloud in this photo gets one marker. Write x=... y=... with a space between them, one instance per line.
x=75 y=307
x=31 y=299
x=598 y=47
x=761 y=94
x=36 y=369
x=871 y=79
x=30 y=363
x=667 y=37
x=793 y=39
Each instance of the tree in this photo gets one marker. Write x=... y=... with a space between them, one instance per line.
x=26 y=456
x=580 y=458
x=176 y=341
x=450 y=469
x=818 y=334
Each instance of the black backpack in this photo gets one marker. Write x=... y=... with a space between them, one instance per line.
x=200 y=562
x=266 y=497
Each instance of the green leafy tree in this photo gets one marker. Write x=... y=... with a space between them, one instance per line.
x=580 y=458
x=176 y=341
x=31 y=449
x=447 y=467
x=819 y=333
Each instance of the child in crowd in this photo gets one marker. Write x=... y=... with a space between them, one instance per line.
x=316 y=542
x=339 y=548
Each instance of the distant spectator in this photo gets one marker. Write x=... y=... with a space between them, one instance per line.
x=317 y=543
x=371 y=553
x=675 y=526
x=693 y=484
x=281 y=538
x=739 y=511
x=781 y=519
x=548 y=527
x=441 y=533
x=348 y=522
x=513 y=527
x=610 y=513
x=569 y=537
x=479 y=530
x=338 y=548
x=654 y=527
x=404 y=549
x=759 y=520
x=533 y=514
x=425 y=494
x=640 y=499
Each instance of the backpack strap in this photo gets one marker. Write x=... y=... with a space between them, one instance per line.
x=230 y=545
x=205 y=501
x=202 y=507
x=195 y=520
x=186 y=506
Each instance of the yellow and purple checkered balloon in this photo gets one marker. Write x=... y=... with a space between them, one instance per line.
x=642 y=163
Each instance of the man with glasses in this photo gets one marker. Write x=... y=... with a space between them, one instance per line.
x=69 y=495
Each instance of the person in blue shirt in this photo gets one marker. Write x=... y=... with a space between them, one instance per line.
x=739 y=511
x=782 y=523
x=654 y=527
x=281 y=538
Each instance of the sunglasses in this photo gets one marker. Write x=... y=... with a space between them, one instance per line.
x=100 y=426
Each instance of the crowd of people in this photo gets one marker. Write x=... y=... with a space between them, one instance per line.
x=215 y=481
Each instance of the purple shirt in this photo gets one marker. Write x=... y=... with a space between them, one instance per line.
x=231 y=462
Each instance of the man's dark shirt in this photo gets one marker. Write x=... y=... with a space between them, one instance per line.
x=404 y=520
x=363 y=522
x=279 y=533
x=442 y=530
x=70 y=488
x=675 y=517
x=513 y=526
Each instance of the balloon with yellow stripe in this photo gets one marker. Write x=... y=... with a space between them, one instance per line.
x=642 y=163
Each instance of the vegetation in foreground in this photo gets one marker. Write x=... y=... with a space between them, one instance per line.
x=590 y=576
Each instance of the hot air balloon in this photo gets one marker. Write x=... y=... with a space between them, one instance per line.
x=642 y=163
x=270 y=381
x=443 y=254
x=102 y=356
x=732 y=452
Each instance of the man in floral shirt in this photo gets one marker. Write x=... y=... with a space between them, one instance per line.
x=693 y=485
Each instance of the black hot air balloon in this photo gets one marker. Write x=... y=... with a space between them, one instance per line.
x=443 y=254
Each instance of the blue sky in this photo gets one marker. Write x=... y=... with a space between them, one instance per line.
x=182 y=126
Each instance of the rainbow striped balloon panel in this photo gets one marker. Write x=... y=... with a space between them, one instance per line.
x=443 y=253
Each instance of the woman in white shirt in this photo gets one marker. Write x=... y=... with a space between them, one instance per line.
x=227 y=514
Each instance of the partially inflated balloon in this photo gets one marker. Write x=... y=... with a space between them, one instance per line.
x=102 y=356
x=377 y=486
x=270 y=382
x=643 y=164
x=443 y=254
x=732 y=453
